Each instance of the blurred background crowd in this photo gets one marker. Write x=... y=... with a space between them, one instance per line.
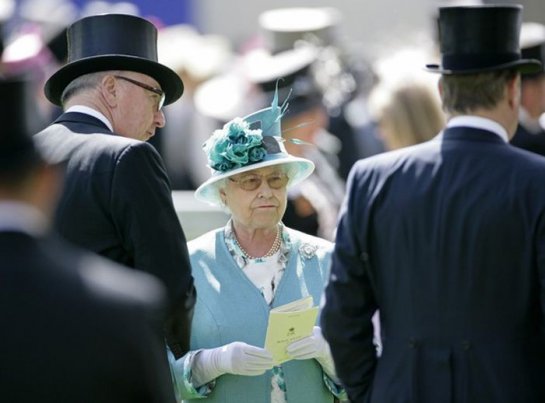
x=351 y=73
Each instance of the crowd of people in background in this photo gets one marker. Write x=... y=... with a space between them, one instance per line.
x=403 y=194
x=326 y=85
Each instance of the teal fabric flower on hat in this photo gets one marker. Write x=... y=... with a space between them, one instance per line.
x=234 y=146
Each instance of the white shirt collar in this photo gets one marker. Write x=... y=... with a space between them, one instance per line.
x=93 y=112
x=479 y=123
x=22 y=217
x=533 y=126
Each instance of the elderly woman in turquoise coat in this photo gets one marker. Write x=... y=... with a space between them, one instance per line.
x=249 y=267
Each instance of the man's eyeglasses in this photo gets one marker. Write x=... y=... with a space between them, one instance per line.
x=253 y=182
x=157 y=91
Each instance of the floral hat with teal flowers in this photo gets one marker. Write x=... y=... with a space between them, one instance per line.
x=248 y=143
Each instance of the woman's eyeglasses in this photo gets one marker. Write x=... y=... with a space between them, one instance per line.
x=157 y=91
x=253 y=182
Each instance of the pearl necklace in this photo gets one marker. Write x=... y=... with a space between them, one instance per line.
x=274 y=248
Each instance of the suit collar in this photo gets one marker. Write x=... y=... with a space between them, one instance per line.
x=68 y=118
x=93 y=112
x=471 y=134
x=478 y=122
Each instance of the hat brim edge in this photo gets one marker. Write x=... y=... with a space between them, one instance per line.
x=207 y=192
x=168 y=79
x=525 y=66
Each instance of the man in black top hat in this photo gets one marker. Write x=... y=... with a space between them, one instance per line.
x=117 y=198
x=530 y=133
x=446 y=239
x=75 y=326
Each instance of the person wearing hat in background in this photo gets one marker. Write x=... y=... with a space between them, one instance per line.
x=117 y=199
x=75 y=326
x=313 y=205
x=196 y=58
x=446 y=239
x=530 y=134
x=342 y=74
x=251 y=265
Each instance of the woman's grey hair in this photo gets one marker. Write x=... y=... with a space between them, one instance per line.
x=463 y=93
x=218 y=186
x=82 y=83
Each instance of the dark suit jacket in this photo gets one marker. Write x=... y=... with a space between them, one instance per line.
x=76 y=327
x=117 y=202
x=447 y=240
x=528 y=141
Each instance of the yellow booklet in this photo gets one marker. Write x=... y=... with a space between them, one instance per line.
x=289 y=323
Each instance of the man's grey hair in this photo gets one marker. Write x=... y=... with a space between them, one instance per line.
x=82 y=83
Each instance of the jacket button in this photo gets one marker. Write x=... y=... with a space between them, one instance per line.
x=466 y=345
x=413 y=343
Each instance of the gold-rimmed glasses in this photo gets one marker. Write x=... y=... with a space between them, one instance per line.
x=253 y=181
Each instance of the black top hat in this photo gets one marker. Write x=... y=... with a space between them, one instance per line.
x=291 y=73
x=532 y=44
x=477 y=39
x=113 y=42
x=18 y=105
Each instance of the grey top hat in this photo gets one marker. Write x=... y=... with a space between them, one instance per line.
x=476 y=39
x=283 y=27
x=113 y=42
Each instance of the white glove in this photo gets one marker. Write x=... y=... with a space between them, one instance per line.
x=235 y=358
x=314 y=346
x=243 y=359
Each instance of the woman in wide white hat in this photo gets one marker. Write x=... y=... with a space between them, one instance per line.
x=250 y=266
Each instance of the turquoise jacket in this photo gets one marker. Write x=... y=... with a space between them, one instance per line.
x=230 y=308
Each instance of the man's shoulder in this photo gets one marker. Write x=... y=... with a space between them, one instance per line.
x=84 y=132
x=59 y=143
x=527 y=161
x=103 y=280
x=388 y=159
x=114 y=282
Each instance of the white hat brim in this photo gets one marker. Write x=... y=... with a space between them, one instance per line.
x=300 y=169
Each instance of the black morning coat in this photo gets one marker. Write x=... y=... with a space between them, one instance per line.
x=76 y=327
x=447 y=240
x=117 y=202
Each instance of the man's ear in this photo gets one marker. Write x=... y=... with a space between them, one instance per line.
x=109 y=90
x=513 y=92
